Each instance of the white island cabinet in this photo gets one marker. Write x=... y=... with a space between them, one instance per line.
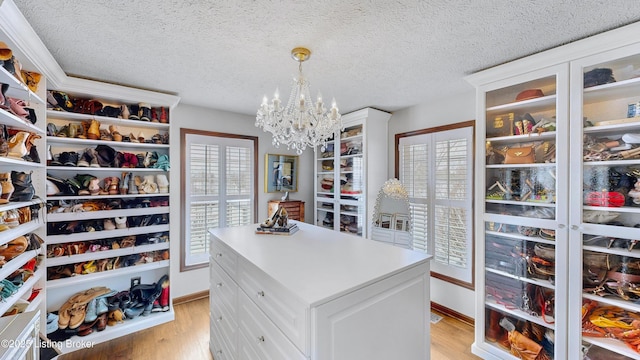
x=316 y=294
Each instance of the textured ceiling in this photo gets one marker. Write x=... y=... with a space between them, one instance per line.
x=386 y=54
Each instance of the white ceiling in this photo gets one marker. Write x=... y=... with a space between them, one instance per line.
x=381 y=53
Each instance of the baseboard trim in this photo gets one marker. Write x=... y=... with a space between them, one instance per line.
x=452 y=313
x=191 y=297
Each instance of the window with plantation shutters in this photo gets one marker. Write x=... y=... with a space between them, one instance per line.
x=219 y=189
x=436 y=167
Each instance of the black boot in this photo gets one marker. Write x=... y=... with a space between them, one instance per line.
x=24 y=190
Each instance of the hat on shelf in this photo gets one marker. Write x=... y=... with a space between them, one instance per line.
x=5 y=52
x=529 y=94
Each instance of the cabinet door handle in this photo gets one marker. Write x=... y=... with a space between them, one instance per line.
x=218 y=254
x=219 y=319
x=219 y=352
x=260 y=339
x=219 y=284
x=261 y=293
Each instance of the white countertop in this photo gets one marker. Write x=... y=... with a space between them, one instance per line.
x=318 y=264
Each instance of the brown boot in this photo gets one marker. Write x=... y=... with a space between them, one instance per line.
x=84 y=134
x=94 y=130
x=7 y=187
x=114 y=188
x=115 y=135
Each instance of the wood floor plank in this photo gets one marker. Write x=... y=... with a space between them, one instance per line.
x=188 y=338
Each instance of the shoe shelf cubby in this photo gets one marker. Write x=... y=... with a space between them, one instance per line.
x=17 y=89
x=17 y=262
x=99 y=197
x=80 y=169
x=97 y=255
x=15 y=122
x=129 y=326
x=89 y=280
x=24 y=291
x=101 y=214
x=21 y=229
x=10 y=161
x=118 y=144
x=61 y=115
x=91 y=235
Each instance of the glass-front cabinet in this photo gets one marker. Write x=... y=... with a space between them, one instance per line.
x=521 y=215
x=558 y=203
x=349 y=171
x=605 y=178
x=340 y=203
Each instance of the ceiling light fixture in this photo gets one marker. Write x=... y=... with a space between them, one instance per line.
x=301 y=123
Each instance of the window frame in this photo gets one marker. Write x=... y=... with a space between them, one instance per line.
x=184 y=181
x=464 y=124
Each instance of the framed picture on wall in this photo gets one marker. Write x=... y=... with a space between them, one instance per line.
x=280 y=173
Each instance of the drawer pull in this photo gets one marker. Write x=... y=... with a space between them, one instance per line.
x=219 y=319
x=260 y=339
x=219 y=352
x=218 y=254
x=261 y=293
x=219 y=284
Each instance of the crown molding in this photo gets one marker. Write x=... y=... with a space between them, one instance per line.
x=118 y=93
x=605 y=41
x=25 y=40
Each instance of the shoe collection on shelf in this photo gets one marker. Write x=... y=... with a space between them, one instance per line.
x=107 y=214
x=342 y=201
x=22 y=267
x=94 y=309
x=96 y=157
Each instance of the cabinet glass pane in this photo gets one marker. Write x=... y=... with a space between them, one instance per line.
x=521 y=150
x=611 y=209
x=520 y=285
x=520 y=194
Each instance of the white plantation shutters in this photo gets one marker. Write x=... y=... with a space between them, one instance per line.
x=219 y=189
x=437 y=170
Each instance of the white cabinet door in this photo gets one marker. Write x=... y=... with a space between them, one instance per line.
x=377 y=322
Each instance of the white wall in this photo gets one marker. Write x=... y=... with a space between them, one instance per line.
x=450 y=110
x=200 y=118
x=442 y=112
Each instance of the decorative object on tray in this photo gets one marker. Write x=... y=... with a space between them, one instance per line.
x=278 y=223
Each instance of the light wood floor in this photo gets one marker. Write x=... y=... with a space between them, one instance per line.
x=188 y=338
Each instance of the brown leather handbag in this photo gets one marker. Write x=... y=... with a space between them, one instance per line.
x=520 y=155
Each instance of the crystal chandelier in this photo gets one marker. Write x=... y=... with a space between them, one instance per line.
x=302 y=122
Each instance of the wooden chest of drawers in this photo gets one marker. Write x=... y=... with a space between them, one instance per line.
x=295 y=208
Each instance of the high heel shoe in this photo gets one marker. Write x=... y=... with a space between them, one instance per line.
x=273 y=219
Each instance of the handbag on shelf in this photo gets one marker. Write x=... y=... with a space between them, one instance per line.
x=599 y=217
x=520 y=155
x=605 y=198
